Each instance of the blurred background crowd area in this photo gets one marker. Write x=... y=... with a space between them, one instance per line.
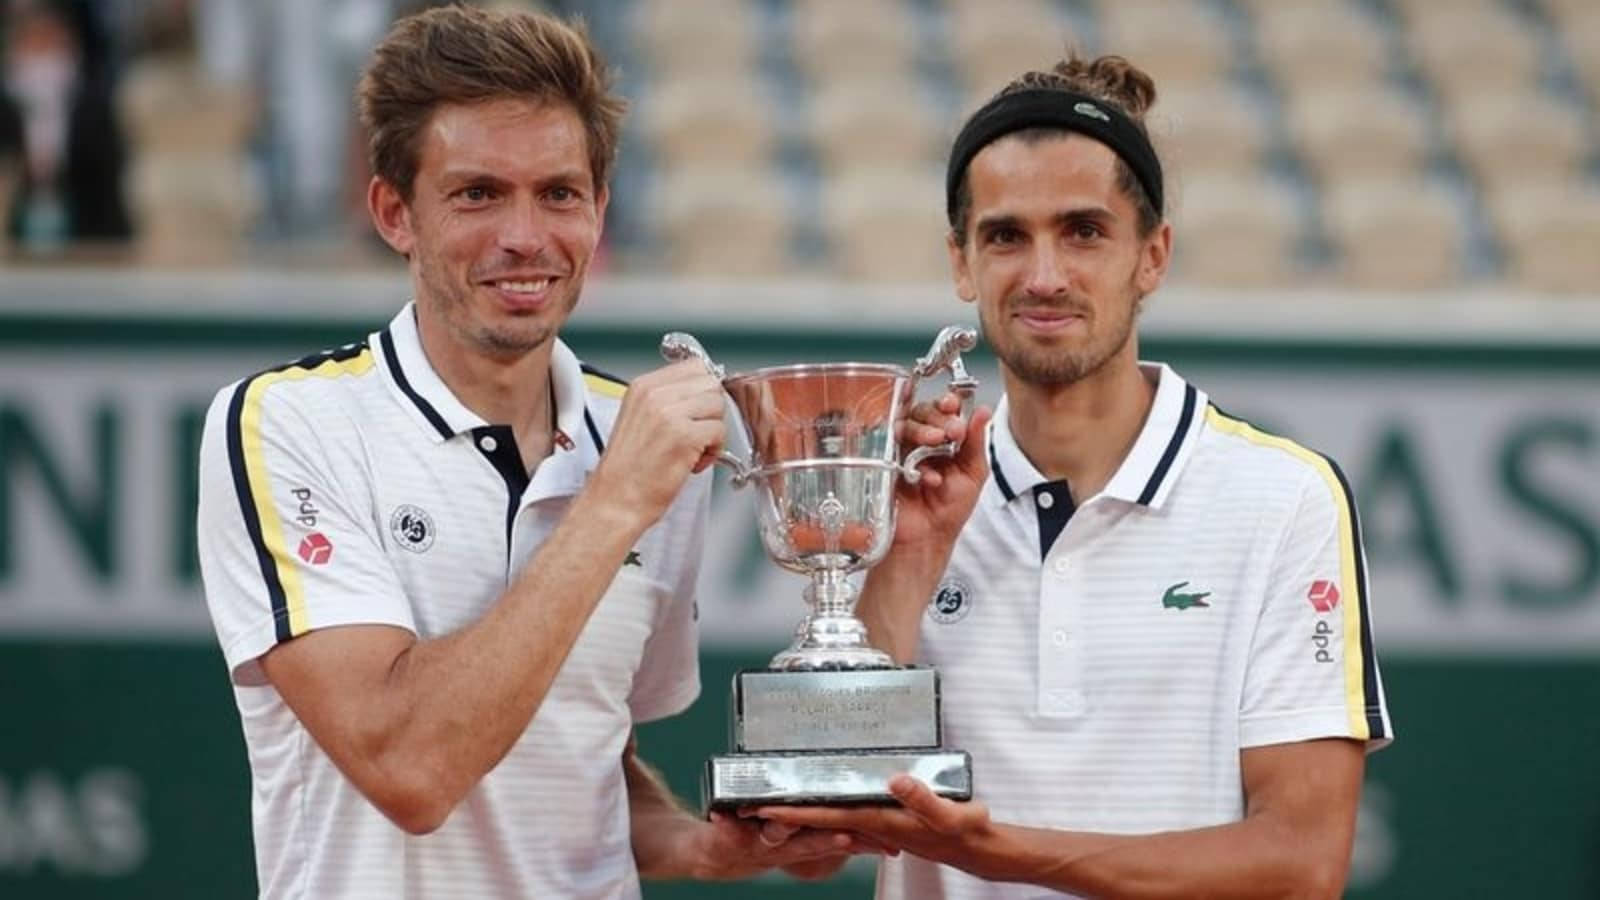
x=1383 y=144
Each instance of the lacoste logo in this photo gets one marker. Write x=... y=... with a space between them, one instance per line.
x=633 y=559
x=1085 y=108
x=1174 y=598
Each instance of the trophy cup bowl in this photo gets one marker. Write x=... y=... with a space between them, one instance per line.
x=832 y=718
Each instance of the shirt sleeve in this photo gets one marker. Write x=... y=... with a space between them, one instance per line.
x=668 y=679
x=1313 y=672
x=284 y=546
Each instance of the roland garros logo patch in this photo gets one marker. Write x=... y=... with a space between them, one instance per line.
x=412 y=528
x=951 y=602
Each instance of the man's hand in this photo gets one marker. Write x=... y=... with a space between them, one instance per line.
x=670 y=426
x=929 y=517
x=932 y=511
x=727 y=848
x=924 y=824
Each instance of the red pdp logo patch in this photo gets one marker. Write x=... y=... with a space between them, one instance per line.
x=315 y=549
x=1324 y=595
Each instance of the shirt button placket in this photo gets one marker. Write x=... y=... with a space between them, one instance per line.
x=1060 y=695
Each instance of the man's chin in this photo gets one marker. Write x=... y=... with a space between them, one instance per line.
x=513 y=342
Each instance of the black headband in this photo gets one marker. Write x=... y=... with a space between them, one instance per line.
x=1047 y=108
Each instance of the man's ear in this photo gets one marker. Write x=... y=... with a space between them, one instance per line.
x=1154 y=258
x=391 y=215
x=966 y=288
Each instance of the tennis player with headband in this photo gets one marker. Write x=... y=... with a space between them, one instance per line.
x=1151 y=618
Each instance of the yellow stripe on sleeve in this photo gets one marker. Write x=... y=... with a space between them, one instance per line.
x=603 y=386
x=1349 y=584
x=256 y=470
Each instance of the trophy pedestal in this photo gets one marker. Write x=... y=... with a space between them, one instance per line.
x=834 y=737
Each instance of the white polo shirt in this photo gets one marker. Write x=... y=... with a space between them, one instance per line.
x=352 y=487
x=1105 y=665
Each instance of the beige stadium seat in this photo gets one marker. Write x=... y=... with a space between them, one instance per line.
x=836 y=40
x=1412 y=9
x=192 y=208
x=1319 y=45
x=168 y=103
x=1551 y=230
x=1517 y=130
x=1346 y=132
x=696 y=38
x=1207 y=129
x=707 y=121
x=1233 y=230
x=878 y=124
x=712 y=223
x=1175 y=41
x=1569 y=11
x=1394 y=233
x=887 y=225
x=1581 y=32
x=993 y=43
x=191 y=187
x=1469 y=49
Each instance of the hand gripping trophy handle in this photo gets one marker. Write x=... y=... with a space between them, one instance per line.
x=945 y=354
x=677 y=346
x=831 y=718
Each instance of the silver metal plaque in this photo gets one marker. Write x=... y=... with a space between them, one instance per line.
x=747 y=779
x=859 y=710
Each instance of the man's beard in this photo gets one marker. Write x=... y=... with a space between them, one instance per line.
x=1063 y=366
x=454 y=302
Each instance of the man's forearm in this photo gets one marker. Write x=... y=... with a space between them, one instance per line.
x=1253 y=858
x=451 y=708
x=658 y=821
x=894 y=597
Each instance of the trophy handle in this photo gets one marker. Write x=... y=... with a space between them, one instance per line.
x=945 y=354
x=677 y=346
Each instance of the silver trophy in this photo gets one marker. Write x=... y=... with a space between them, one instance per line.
x=833 y=718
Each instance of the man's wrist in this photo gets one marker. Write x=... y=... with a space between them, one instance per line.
x=604 y=504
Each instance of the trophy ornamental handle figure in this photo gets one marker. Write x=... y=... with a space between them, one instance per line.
x=825 y=457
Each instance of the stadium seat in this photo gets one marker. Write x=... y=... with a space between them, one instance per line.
x=887 y=225
x=191 y=187
x=713 y=223
x=1319 y=45
x=876 y=124
x=709 y=120
x=1212 y=129
x=192 y=208
x=1234 y=230
x=696 y=39
x=169 y=103
x=1464 y=49
x=1519 y=131
x=1394 y=233
x=1581 y=31
x=1550 y=229
x=1175 y=41
x=852 y=41
x=1344 y=132
x=992 y=44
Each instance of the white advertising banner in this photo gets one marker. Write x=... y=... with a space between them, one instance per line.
x=1477 y=472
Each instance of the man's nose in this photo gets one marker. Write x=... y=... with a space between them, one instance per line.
x=526 y=230
x=1049 y=271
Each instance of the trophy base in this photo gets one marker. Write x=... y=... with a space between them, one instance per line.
x=831 y=778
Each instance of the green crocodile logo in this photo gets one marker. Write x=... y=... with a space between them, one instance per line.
x=633 y=559
x=1174 y=599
